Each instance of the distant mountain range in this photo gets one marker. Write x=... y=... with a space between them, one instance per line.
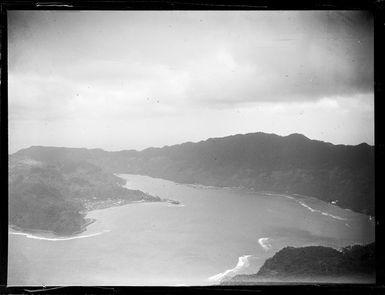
x=315 y=263
x=291 y=164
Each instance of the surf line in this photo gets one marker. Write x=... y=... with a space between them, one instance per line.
x=264 y=243
x=319 y=211
x=310 y=208
x=243 y=262
x=30 y=236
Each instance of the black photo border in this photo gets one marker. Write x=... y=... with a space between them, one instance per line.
x=376 y=7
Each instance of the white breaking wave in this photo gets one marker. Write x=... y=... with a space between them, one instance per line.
x=333 y=216
x=31 y=236
x=243 y=262
x=308 y=207
x=279 y=195
x=265 y=244
x=195 y=185
x=172 y=205
x=319 y=211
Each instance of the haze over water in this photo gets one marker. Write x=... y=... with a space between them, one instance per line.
x=194 y=243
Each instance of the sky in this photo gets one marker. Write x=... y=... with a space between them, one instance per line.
x=138 y=79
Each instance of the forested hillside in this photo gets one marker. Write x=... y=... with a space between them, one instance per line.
x=291 y=164
x=55 y=196
x=315 y=263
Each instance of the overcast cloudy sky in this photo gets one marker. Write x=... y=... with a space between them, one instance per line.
x=131 y=80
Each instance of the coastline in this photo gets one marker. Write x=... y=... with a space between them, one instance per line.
x=48 y=233
x=294 y=196
x=110 y=203
x=261 y=236
x=89 y=206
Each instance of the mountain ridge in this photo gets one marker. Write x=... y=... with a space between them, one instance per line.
x=193 y=142
x=292 y=164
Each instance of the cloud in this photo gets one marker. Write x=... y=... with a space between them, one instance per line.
x=205 y=57
x=168 y=77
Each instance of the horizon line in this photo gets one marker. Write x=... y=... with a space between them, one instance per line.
x=192 y=142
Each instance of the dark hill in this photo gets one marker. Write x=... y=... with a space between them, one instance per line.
x=315 y=263
x=53 y=195
x=291 y=164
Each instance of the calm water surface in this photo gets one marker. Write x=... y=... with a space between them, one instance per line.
x=214 y=233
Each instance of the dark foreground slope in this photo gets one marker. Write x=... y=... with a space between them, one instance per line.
x=292 y=164
x=55 y=196
x=315 y=263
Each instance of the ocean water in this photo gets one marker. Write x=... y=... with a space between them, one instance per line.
x=213 y=234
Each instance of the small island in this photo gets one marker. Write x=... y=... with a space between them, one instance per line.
x=173 y=202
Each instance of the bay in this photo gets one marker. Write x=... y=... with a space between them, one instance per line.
x=211 y=234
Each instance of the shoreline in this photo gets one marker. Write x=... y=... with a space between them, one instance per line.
x=110 y=203
x=51 y=234
x=48 y=233
x=293 y=196
x=89 y=207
